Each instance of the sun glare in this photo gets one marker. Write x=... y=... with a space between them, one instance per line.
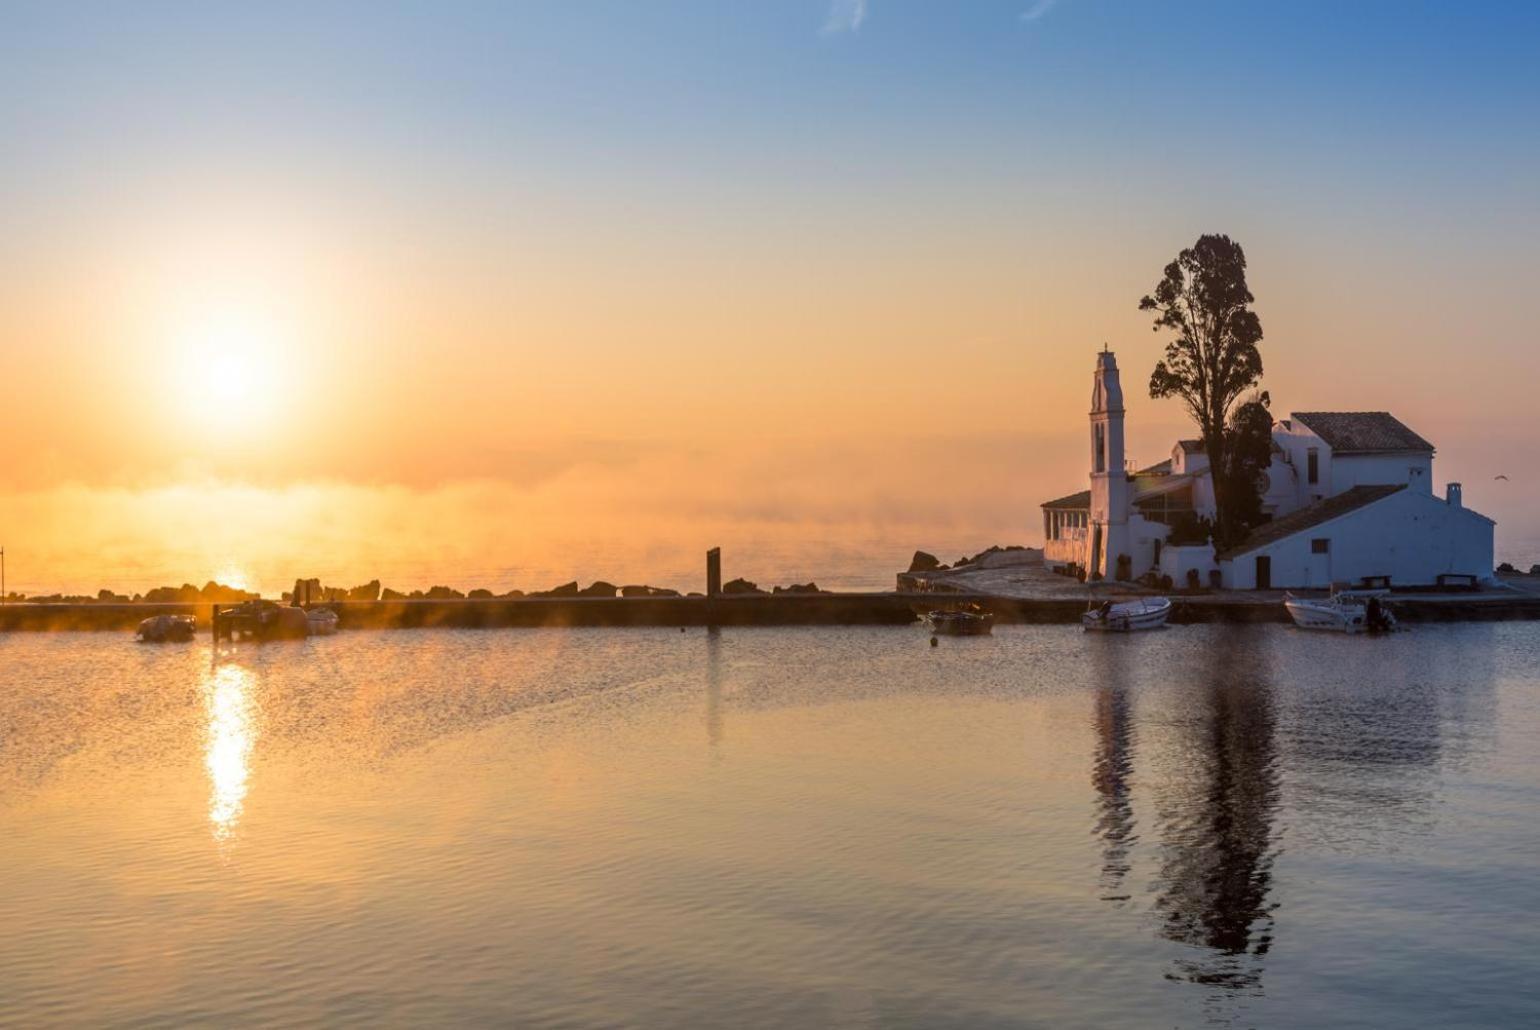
x=229 y=370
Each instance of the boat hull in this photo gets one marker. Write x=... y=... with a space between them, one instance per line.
x=1332 y=616
x=960 y=624
x=1128 y=617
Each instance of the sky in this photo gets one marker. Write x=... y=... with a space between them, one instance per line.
x=496 y=292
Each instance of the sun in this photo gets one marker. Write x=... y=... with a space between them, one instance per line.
x=230 y=369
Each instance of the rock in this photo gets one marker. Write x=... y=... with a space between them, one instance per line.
x=646 y=591
x=1506 y=567
x=923 y=562
x=599 y=589
x=444 y=594
x=185 y=594
x=565 y=590
x=392 y=595
x=1534 y=570
x=741 y=586
x=370 y=591
x=799 y=588
x=512 y=594
x=480 y=595
x=307 y=591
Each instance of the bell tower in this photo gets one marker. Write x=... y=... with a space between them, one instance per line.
x=1109 y=479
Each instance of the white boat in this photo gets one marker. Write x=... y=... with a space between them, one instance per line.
x=1348 y=611
x=1127 y=616
x=321 y=622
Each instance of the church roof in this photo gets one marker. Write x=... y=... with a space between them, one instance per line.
x=1362 y=432
x=1074 y=502
x=1311 y=516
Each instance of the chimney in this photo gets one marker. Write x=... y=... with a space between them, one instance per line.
x=1452 y=495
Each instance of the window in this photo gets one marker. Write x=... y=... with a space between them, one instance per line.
x=1312 y=466
x=1320 y=545
x=1100 y=457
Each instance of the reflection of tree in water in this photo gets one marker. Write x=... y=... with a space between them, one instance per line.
x=1217 y=828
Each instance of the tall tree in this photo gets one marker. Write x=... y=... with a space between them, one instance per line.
x=1212 y=361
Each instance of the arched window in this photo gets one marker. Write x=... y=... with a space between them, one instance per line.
x=1099 y=459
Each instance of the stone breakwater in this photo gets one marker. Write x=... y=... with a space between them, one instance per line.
x=824 y=609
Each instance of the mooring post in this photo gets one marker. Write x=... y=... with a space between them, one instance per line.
x=713 y=583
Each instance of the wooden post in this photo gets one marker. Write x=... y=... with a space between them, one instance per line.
x=713 y=572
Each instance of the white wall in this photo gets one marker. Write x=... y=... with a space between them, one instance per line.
x=1411 y=537
x=1142 y=535
x=1175 y=561
x=1296 y=443
x=1350 y=470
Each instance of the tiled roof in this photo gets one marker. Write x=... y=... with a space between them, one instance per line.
x=1073 y=502
x=1310 y=517
x=1349 y=432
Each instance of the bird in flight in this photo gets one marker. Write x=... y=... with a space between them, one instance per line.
x=1504 y=478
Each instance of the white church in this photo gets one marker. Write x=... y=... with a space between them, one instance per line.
x=1349 y=498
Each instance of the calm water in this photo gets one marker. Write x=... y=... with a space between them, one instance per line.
x=1208 y=825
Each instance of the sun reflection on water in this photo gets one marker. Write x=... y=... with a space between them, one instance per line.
x=231 y=732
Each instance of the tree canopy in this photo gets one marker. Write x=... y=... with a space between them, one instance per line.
x=1210 y=364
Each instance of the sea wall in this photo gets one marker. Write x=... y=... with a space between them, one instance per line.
x=826 y=609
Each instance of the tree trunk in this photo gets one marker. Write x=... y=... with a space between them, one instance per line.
x=1214 y=443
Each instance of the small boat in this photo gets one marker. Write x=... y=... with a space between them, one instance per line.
x=1127 y=616
x=974 y=622
x=163 y=629
x=321 y=622
x=1347 y=611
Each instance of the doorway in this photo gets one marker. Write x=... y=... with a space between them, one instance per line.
x=1264 y=572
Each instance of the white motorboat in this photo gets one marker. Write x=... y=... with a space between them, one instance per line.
x=1347 y=611
x=1127 y=616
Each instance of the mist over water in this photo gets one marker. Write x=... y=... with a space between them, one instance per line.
x=1227 y=825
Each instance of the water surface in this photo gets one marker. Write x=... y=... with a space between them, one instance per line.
x=1208 y=825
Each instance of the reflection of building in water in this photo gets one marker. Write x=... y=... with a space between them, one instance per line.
x=1217 y=818
x=1112 y=773
x=231 y=730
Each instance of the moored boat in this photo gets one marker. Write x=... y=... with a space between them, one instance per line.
x=162 y=629
x=960 y=623
x=1348 y=611
x=1127 y=616
x=321 y=622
